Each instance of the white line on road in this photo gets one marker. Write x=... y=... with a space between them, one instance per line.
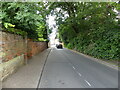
x=79 y=74
x=87 y=82
x=73 y=67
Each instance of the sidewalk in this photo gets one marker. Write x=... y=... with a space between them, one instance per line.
x=27 y=76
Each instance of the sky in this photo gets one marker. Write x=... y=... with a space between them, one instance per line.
x=51 y=22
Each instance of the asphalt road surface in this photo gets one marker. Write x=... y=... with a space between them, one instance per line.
x=67 y=69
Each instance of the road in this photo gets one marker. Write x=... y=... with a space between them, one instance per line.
x=67 y=69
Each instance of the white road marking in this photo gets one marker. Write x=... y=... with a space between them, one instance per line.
x=73 y=67
x=87 y=82
x=79 y=74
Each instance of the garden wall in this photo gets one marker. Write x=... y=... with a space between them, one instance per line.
x=15 y=51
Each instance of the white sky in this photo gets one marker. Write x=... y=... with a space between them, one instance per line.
x=51 y=22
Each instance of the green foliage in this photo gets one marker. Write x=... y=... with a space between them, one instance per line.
x=91 y=28
x=8 y=25
x=27 y=17
x=10 y=28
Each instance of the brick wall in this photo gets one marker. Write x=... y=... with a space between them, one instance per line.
x=35 y=47
x=15 y=51
x=12 y=46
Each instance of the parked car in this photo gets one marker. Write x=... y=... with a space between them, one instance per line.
x=59 y=46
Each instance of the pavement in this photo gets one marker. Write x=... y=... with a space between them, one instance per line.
x=63 y=68
x=27 y=76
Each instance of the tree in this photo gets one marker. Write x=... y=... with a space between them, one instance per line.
x=28 y=17
x=91 y=27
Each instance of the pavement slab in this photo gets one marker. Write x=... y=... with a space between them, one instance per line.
x=28 y=75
